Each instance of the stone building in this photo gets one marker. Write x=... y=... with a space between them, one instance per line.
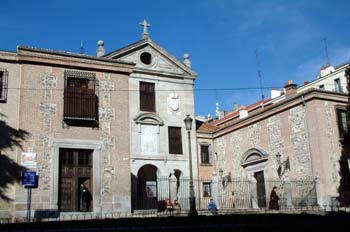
x=292 y=141
x=74 y=116
x=161 y=95
x=114 y=122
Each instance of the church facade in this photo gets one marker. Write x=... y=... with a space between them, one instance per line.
x=161 y=94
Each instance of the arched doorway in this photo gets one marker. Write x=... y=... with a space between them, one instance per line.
x=254 y=161
x=146 y=193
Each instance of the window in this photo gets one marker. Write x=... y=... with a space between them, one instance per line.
x=337 y=85
x=146 y=58
x=205 y=154
x=80 y=99
x=342 y=123
x=175 y=141
x=147 y=97
x=206 y=189
x=322 y=87
x=3 y=85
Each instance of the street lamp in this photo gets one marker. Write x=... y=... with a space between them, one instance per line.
x=188 y=124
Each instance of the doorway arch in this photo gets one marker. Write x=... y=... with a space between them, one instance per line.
x=146 y=192
x=254 y=161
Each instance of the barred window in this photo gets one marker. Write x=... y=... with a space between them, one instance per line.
x=175 y=140
x=205 y=154
x=147 y=97
x=80 y=98
x=342 y=123
x=206 y=189
x=3 y=85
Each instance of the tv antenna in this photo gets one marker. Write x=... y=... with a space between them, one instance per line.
x=259 y=74
x=81 y=48
x=326 y=50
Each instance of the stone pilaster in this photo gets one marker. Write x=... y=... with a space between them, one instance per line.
x=276 y=143
x=236 y=140
x=332 y=150
x=300 y=142
x=106 y=116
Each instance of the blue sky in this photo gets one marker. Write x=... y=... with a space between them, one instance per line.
x=221 y=37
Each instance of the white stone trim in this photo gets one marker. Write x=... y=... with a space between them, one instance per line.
x=94 y=145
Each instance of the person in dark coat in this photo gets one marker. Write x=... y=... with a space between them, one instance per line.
x=85 y=198
x=274 y=198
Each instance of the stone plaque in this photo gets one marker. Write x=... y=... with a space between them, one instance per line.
x=149 y=140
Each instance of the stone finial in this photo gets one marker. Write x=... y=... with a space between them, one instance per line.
x=100 y=50
x=187 y=61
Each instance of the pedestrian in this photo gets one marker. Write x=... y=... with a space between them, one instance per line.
x=85 y=198
x=212 y=207
x=274 y=198
x=177 y=207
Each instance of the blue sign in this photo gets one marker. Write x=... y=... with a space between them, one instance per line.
x=30 y=179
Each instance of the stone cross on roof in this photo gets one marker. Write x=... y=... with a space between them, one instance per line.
x=145 y=25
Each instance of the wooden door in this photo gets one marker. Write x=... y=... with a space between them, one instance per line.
x=75 y=168
x=260 y=188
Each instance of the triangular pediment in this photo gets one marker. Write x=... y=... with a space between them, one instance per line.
x=157 y=60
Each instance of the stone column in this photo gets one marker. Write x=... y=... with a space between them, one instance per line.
x=253 y=191
x=173 y=187
x=215 y=189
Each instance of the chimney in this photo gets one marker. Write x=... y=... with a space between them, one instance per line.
x=243 y=112
x=290 y=88
x=275 y=93
x=235 y=106
x=100 y=50
x=325 y=70
x=187 y=61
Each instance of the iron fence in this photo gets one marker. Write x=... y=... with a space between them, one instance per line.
x=228 y=194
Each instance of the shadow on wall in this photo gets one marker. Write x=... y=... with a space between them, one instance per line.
x=344 y=161
x=10 y=171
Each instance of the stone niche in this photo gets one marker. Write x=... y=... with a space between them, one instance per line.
x=149 y=130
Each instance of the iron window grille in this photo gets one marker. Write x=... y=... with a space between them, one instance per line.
x=342 y=123
x=3 y=85
x=80 y=99
x=205 y=154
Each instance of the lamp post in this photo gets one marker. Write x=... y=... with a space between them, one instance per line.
x=188 y=124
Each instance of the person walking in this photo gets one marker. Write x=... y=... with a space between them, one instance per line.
x=274 y=198
x=85 y=198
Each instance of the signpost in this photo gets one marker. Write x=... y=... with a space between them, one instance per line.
x=29 y=181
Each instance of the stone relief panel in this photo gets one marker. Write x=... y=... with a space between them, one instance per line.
x=47 y=109
x=276 y=143
x=237 y=153
x=48 y=83
x=254 y=134
x=106 y=116
x=221 y=153
x=149 y=140
x=300 y=142
x=332 y=147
